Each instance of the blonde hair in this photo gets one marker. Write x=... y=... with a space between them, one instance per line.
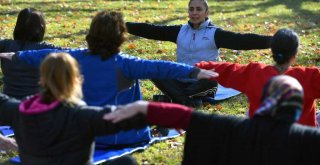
x=61 y=79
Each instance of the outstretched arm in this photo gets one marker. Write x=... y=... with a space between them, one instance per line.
x=7 y=55
x=8 y=144
x=231 y=75
x=164 y=114
x=136 y=68
x=156 y=32
x=241 y=41
x=33 y=57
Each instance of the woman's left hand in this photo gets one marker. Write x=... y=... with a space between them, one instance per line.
x=127 y=111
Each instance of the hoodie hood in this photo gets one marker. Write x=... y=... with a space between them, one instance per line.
x=33 y=105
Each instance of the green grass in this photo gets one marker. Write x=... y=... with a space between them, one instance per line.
x=68 y=21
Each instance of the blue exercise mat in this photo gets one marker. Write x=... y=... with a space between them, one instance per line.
x=6 y=131
x=101 y=156
x=222 y=94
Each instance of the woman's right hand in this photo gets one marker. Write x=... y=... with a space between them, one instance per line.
x=7 y=55
x=8 y=144
x=207 y=74
x=127 y=111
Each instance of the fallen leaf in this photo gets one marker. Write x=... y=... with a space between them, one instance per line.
x=131 y=46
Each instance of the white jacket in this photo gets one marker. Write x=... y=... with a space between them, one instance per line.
x=195 y=45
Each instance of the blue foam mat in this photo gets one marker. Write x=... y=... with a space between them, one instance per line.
x=222 y=94
x=101 y=156
x=6 y=131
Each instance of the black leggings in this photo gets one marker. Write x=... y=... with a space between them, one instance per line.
x=182 y=92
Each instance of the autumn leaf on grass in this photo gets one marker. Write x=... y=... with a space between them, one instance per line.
x=58 y=18
x=131 y=46
x=207 y=105
x=140 y=51
x=160 y=51
x=270 y=26
x=218 y=107
x=166 y=58
x=175 y=144
x=238 y=60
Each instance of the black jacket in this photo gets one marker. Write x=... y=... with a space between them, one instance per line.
x=63 y=135
x=223 y=38
x=222 y=140
x=20 y=79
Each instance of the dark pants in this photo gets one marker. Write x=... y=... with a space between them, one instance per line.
x=183 y=92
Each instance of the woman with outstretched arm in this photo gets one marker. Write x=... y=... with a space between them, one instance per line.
x=197 y=40
x=272 y=136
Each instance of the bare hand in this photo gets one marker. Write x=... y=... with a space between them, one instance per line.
x=207 y=74
x=8 y=144
x=127 y=111
x=7 y=55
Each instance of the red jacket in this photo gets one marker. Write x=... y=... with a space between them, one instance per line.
x=251 y=78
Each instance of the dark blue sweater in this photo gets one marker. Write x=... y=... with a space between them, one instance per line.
x=20 y=79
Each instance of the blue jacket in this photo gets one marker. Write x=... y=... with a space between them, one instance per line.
x=115 y=81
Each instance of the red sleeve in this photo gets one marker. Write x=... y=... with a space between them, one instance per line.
x=314 y=83
x=231 y=75
x=169 y=115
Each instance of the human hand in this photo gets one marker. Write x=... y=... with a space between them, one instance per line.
x=207 y=74
x=7 y=55
x=8 y=144
x=205 y=65
x=180 y=131
x=127 y=111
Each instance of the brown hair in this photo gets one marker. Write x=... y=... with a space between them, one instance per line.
x=106 y=34
x=61 y=78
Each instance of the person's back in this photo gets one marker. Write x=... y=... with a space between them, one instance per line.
x=54 y=126
x=21 y=80
x=271 y=137
x=251 y=78
x=225 y=140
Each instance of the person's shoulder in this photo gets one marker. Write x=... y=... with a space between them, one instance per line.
x=258 y=65
x=212 y=25
x=6 y=42
x=304 y=69
x=123 y=55
x=297 y=128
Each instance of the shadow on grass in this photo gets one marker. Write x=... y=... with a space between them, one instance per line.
x=294 y=5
